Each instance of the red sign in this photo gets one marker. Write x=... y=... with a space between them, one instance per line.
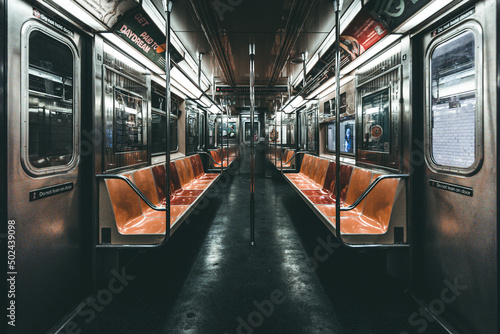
x=361 y=34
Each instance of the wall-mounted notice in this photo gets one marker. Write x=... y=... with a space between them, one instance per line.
x=138 y=30
x=361 y=34
x=107 y=11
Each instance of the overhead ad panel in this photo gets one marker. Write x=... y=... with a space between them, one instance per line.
x=138 y=30
x=107 y=12
x=361 y=34
x=395 y=12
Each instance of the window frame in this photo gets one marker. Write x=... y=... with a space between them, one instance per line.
x=475 y=28
x=389 y=89
x=28 y=28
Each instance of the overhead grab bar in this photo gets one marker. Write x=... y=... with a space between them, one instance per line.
x=371 y=187
x=134 y=188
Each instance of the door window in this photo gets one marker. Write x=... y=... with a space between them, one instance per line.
x=454 y=118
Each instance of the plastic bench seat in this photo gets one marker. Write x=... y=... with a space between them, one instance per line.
x=127 y=211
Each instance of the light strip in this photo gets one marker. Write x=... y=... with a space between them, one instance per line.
x=182 y=82
x=159 y=21
x=346 y=19
x=371 y=52
x=321 y=88
x=423 y=15
x=330 y=90
x=81 y=14
x=133 y=53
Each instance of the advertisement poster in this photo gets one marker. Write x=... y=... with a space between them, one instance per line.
x=360 y=35
x=229 y=130
x=376 y=121
x=277 y=134
x=139 y=31
x=107 y=11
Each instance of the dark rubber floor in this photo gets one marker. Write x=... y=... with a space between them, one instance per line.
x=295 y=280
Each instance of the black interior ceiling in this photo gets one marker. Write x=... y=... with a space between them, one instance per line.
x=281 y=30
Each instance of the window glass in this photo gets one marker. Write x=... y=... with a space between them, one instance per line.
x=211 y=131
x=311 y=131
x=347 y=136
x=376 y=121
x=202 y=130
x=454 y=102
x=159 y=133
x=51 y=104
x=248 y=131
x=174 y=137
x=129 y=113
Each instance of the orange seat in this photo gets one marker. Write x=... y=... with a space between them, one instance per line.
x=145 y=182
x=377 y=210
x=198 y=170
x=331 y=192
x=184 y=177
x=128 y=211
x=177 y=196
x=359 y=182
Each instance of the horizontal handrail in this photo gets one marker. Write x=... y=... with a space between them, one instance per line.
x=286 y=151
x=370 y=188
x=213 y=160
x=293 y=156
x=134 y=188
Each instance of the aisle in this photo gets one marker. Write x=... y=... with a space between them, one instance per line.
x=295 y=280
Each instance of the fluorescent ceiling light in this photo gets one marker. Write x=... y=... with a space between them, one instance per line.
x=332 y=88
x=181 y=81
x=423 y=15
x=81 y=14
x=214 y=109
x=321 y=88
x=345 y=20
x=297 y=101
x=371 y=52
x=133 y=53
x=205 y=101
x=288 y=109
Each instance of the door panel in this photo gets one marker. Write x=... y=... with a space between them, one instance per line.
x=44 y=188
x=455 y=234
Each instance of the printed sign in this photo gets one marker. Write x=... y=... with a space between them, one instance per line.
x=107 y=11
x=50 y=21
x=453 y=22
x=50 y=191
x=138 y=30
x=466 y=191
x=395 y=12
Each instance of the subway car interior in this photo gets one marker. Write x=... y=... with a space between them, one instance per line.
x=332 y=166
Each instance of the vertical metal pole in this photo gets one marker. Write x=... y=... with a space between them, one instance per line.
x=168 y=108
x=252 y=145
x=337 y=5
x=304 y=68
x=281 y=141
x=275 y=130
x=200 y=57
x=221 y=156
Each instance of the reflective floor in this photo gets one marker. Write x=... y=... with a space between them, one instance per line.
x=295 y=280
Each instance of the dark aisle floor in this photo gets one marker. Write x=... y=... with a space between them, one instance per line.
x=209 y=280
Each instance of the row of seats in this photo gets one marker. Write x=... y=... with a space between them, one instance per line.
x=281 y=158
x=188 y=183
x=317 y=184
x=227 y=154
